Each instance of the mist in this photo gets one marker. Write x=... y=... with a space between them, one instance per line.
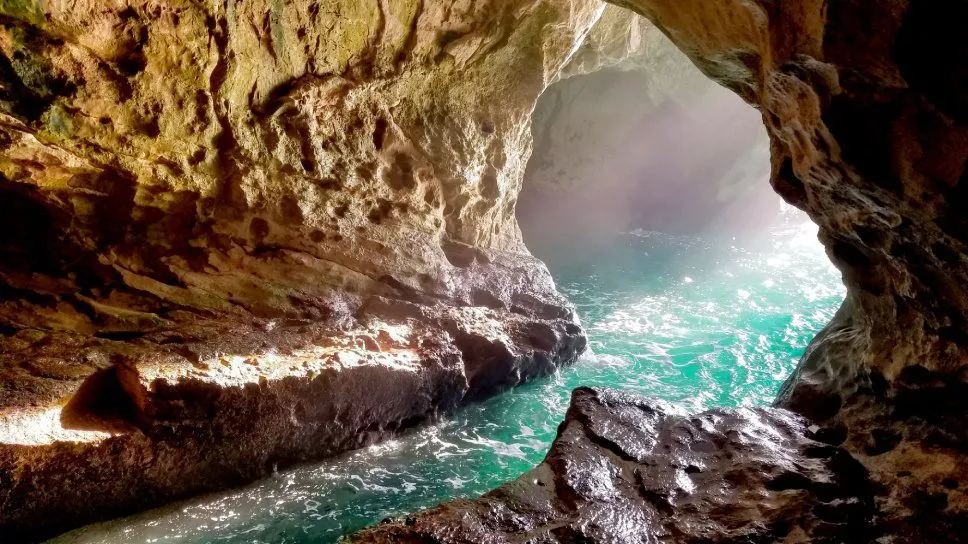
x=613 y=154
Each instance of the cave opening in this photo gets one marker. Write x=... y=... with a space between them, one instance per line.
x=648 y=196
x=695 y=283
x=239 y=236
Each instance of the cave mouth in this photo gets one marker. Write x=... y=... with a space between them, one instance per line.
x=695 y=283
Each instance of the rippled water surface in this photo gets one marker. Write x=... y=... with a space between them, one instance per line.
x=700 y=322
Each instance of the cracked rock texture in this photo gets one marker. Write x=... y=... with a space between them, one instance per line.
x=866 y=107
x=238 y=235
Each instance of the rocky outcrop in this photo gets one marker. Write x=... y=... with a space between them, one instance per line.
x=626 y=469
x=99 y=428
x=634 y=136
x=238 y=235
x=865 y=105
x=872 y=144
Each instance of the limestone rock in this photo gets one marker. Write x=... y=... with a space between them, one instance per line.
x=873 y=146
x=239 y=235
x=199 y=199
x=187 y=155
x=865 y=104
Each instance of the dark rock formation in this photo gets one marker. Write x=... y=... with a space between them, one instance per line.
x=626 y=469
x=874 y=146
x=874 y=149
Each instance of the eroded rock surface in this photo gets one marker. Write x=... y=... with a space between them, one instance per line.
x=627 y=469
x=238 y=235
x=872 y=144
x=630 y=470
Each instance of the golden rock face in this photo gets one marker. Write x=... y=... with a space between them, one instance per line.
x=211 y=211
x=181 y=141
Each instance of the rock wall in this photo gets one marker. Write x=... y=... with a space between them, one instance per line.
x=865 y=103
x=243 y=234
x=181 y=151
x=872 y=145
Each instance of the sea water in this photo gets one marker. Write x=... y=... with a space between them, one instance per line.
x=699 y=320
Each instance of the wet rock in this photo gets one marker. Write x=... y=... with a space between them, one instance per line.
x=187 y=187
x=856 y=129
x=170 y=415
x=628 y=469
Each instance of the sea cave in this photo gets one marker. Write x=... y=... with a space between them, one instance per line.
x=555 y=271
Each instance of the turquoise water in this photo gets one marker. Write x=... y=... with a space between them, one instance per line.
x=697 y=321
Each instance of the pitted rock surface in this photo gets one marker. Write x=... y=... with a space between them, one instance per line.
x=871 y=142
x=626 y=469
x=239 y=235
x=872 y=145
